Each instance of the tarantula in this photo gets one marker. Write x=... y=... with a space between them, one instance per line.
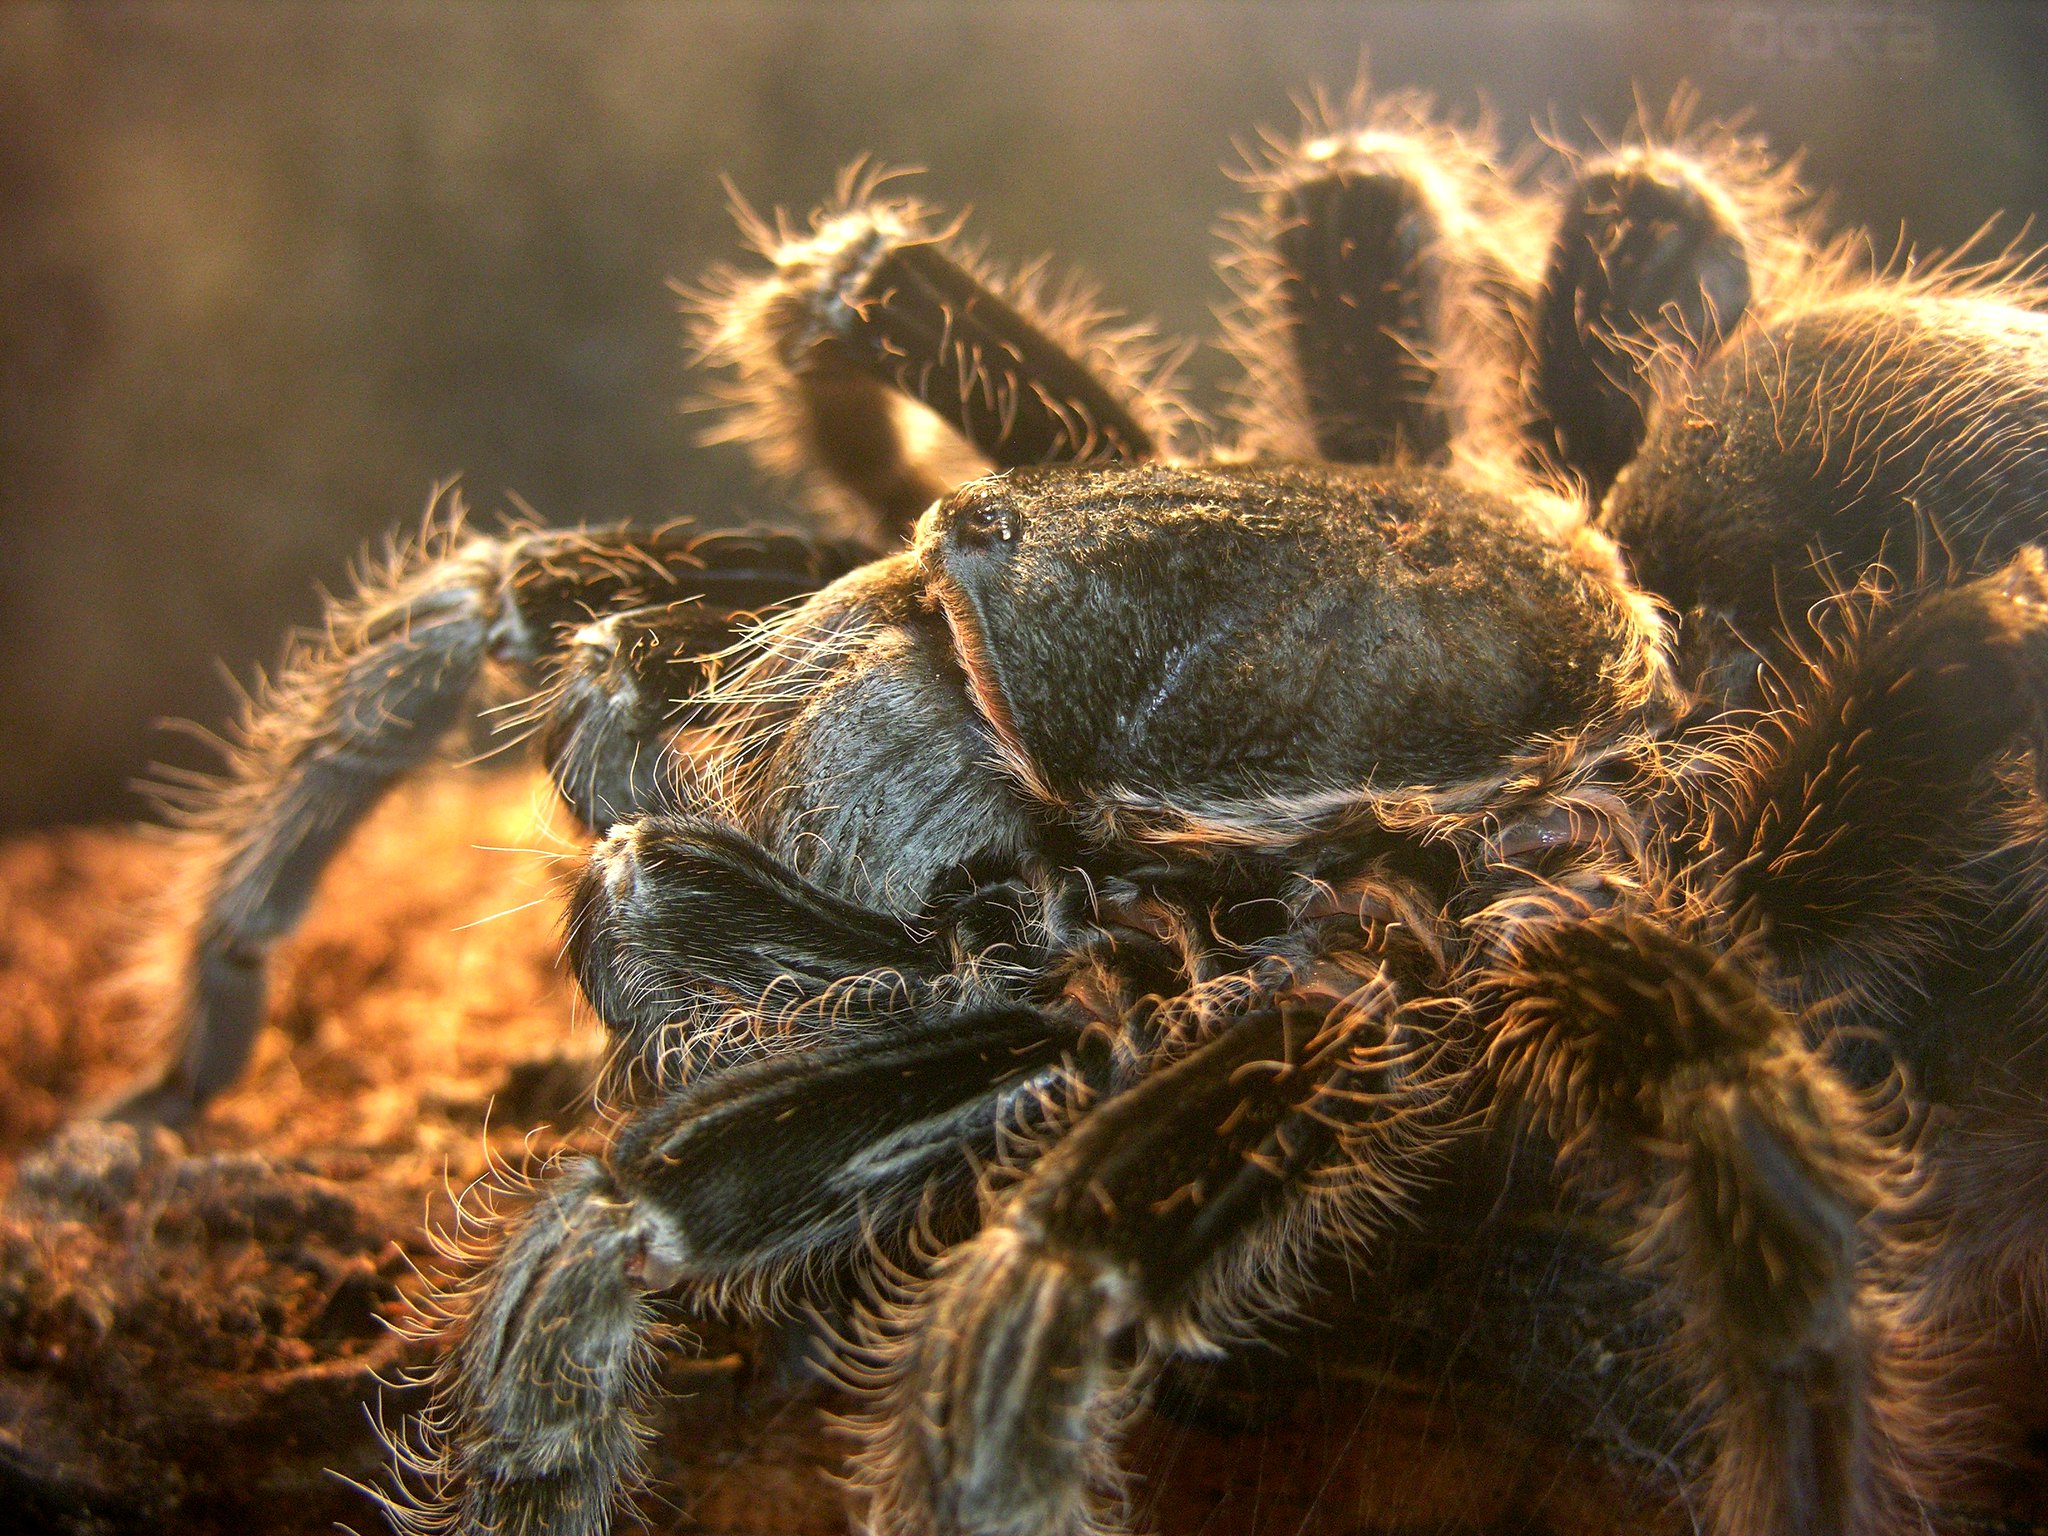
x=1600 y=689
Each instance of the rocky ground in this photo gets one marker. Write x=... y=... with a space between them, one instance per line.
x=193 y=1330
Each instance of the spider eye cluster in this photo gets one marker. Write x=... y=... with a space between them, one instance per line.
x=984 y=525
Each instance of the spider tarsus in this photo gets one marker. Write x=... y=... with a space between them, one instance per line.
x=1648 y=265
x=538 y=1409
x=1358 y=245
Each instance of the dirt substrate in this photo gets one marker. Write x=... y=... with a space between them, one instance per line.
x=193 y=1329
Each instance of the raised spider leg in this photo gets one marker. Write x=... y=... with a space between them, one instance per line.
x=875 y=303
x=1370 y=294
x=1358 y=246
x=902 y=308
x=1648 y=265
x=1179 y=1208
x=736 y=1188
x=1754 y=1186
x=368 y=701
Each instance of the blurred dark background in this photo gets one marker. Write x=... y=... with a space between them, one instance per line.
x=266 y=272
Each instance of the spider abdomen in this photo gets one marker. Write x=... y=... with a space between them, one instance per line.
x=1907 y=429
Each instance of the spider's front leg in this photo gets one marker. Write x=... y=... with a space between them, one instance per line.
x=371 y=699
x=539 y=1407
x=875 y=313
x=788 y=1158
x=1179 y=1209
x=1756 y=1188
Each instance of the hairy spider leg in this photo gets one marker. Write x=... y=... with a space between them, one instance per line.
x=1881 y=839
x=911 y=315
x=1756 y=1190
x=1378 y=283
x=1180 y=1208
x=1648 y=266
x=680 y=920
x=370 y=699
x=1357 y=245
x=874 y=306
x=1856 y=800
x=850 y=1148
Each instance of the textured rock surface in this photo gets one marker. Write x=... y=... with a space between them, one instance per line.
x=192 y=1330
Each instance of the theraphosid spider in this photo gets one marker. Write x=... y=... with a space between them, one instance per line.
x=1597 y=692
